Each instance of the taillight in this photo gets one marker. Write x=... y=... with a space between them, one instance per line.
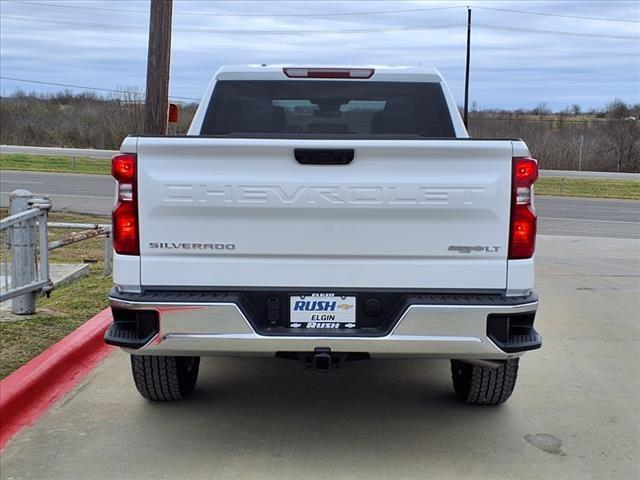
x=124 y=218
x=354 y=73
x=522 y=231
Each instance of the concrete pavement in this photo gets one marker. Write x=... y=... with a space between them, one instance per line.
x=59 y=274
x=574 y=414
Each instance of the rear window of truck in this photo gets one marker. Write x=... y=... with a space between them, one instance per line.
x=327 y=109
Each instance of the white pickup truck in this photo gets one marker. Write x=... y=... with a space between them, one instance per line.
x=324 y=214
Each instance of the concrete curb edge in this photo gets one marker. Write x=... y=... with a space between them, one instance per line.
x=30 y=391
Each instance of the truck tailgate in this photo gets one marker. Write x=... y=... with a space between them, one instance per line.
x=423 y=214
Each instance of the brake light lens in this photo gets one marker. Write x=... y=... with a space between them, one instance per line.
x=125 y=229
x=123 y=168
x=124 y=218
x=525 y=171
x=354 y=73
x=522 y=236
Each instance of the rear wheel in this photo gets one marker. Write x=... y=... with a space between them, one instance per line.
x=161 y=378
x=482 y=385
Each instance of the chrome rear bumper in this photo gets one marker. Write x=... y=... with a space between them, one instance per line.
x=211 y=328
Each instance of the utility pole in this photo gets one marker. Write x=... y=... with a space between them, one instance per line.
x=466 y=77
x=158 y=59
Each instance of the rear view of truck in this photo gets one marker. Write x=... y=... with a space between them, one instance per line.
x=325 y=214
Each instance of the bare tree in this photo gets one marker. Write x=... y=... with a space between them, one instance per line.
x=611 y=137
x=81 y=120
x=623 y=136
x=542 y=110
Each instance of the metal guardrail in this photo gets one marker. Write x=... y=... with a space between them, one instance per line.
x=90 y=230
x=29 y=266
x=29 y=270
x=107 y=154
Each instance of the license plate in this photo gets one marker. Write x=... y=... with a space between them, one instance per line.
x=323 y=310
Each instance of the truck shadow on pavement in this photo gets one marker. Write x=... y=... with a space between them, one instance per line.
x=273 y=407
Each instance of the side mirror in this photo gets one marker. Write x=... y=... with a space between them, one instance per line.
x=174 y=113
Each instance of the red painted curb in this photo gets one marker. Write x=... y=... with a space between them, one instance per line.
x=27 y=393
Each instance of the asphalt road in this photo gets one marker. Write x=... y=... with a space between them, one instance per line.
x=586 y=217
x=76 y=192
x=574 y=414
x=558 y=215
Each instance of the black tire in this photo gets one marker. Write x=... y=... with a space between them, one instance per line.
x=162 y=378
x=484 y=386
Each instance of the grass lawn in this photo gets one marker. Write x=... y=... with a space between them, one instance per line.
x=38 y=163
x=69 y=306
x=588 y=187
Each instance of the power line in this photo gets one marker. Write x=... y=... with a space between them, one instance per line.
x=331 y=32
x=329 y=14
x=435 y=27
x=138 y=94
x=211 y=14
x=560 y=52
x=556 y=15
x=320 y=32
x=72 y=23
x=555 y=32
x=240 y=32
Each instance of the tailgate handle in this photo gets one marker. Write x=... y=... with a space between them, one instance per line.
x=331 y=156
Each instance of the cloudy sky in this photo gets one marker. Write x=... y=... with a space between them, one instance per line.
x=523 y=53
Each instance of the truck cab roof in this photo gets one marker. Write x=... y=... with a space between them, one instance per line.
x=378 y=72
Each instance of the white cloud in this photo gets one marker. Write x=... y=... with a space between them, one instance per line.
x=104 y=44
